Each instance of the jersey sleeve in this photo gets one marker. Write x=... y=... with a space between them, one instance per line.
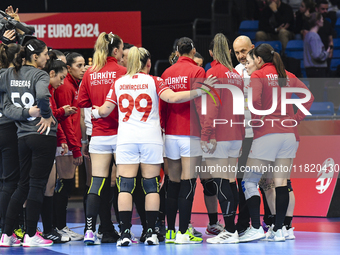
x=111 y=96
x=160 y=85
x=43 y=95
x=84 y=100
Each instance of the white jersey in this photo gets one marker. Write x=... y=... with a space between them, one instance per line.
x=87 y=120
x=241 y=69
x=137 y=98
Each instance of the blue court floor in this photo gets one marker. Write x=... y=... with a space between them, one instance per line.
x=310 y=242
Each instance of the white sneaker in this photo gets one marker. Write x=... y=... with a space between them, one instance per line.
x=288 y=234
x=225 y=237
x=252 y=234
x=275 y=236
x=9 y=241
x=91 y=238
x=151 y=239
x=214 y=229
x=36 y=241
x=73 y=235
x=187 y=238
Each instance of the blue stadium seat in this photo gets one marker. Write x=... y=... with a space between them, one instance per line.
x=277 y=45
x=249 y=28
x=334 y=63
x=294 y=49
x=338 y=112
x=322 y=109
x=336 y=42
x=337 y=28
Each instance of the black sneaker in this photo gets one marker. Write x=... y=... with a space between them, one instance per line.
x=56 y=237
x=110 y=237
x=160 y=227
x=143 y=236
x=125 y=238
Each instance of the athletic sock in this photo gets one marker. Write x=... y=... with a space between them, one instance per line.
x=233 y=187
x=212 y=218
x=281 y=203
x=105 y=209
x=114 y=200
x=138 y=197
x=288 y=222
x=185 y=199
x=151 y=217
x=93 y=204
x=253 y=204
x=172 y=203
x=85 y=202
x=267 y=212
x=226 y=200
x=125 y=220
x=47 y=214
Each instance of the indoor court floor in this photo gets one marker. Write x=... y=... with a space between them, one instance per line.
x=313 y=236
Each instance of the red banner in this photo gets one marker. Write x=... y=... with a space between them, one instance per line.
x=314 y=176
x=80 y=30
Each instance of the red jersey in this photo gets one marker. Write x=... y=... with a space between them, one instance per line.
x=59 y=114
x=234 y=129
x=93 y=91
x=67 y=94
x=262 y=83
x=182 y=119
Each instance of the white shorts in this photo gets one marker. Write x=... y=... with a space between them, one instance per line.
x=103 y=144
x=134 y=153
x=177 y=146
x=226 y=149
x=272 y=146
x=60 y=150
x=297 y=146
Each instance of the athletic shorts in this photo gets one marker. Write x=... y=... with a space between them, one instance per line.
x=103 y=144
x=226 y=149
x=177 y=146
x=134 y=153
x=296 y=146
x=272 y=146
x=60 y=150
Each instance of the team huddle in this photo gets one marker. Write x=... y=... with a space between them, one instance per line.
x=128 y=126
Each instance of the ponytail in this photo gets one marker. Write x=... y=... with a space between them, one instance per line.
x=137 y=59
x=185 y=45
x=55 y=64
x=221 y=51
x=7 y=54
x=104 y=46
x=280 y=69
x=268 y=55
x=33 y=46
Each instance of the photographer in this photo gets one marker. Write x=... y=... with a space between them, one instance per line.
x=11 y=29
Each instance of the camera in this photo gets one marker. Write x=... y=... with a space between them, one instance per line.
x=8 y=23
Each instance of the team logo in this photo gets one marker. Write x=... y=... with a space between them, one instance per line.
x=325 y=176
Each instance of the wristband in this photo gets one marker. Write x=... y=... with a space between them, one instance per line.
x=84 y=141
x=95 y=114
x=199 y=92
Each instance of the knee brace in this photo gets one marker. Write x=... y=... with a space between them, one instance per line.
x=150 y=185
x=249 y=184
x=187 y=190
x=125 y=184
x=97 y=184
x=64 y=187
x=209 y=188
x=289 y=185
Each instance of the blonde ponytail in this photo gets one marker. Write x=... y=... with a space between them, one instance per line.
x=137 y=59
x=103 y=48
x=221 y=51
